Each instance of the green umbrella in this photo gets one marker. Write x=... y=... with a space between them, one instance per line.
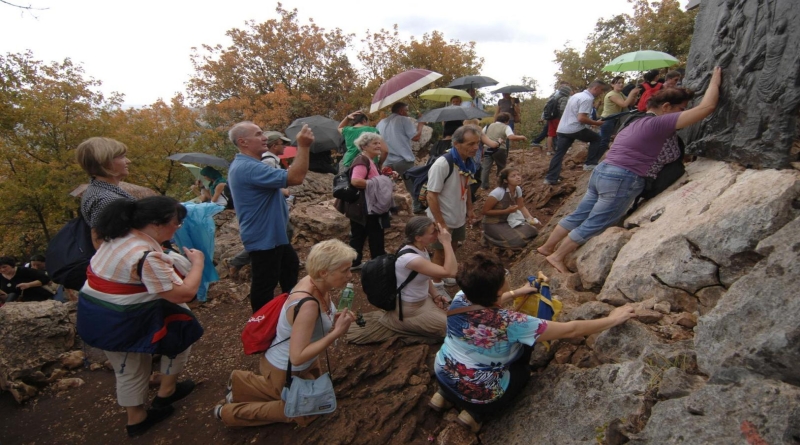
x=444 y=94
x=640 y=61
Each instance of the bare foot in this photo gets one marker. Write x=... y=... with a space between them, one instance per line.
x=544 y=251
x=557 y=264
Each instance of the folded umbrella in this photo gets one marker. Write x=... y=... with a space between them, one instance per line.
x=444 y=94
x=514 y=89
x=326 y=133
x=640 y=61
x=199 y=158
x=467 y=82
x=401 y=86
x=452 y=113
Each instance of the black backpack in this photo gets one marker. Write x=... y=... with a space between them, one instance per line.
x=69 y=252
x=379 y=281
x=551 y=108
x=226 y=192
x=419 y=175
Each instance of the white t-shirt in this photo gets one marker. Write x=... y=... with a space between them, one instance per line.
x=499 y=192
x=578 y=103
x=417 y=289
x=453 y=193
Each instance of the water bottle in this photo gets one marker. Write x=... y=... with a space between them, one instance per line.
x=346 y=300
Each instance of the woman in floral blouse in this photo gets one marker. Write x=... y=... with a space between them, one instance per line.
x=483 y=363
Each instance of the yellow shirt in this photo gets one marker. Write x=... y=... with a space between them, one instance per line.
x=610 y=107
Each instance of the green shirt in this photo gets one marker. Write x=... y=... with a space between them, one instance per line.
x=350 y=135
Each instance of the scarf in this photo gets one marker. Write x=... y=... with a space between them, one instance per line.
x=467 y=168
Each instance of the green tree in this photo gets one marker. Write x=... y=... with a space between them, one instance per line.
x=660 y=26
x=46 y=110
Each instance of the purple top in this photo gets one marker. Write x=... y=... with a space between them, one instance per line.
x=637 y=146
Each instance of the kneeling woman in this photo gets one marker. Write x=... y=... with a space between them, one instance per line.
x=129 y=271
x=483 y=363
x=254 y=399
x=505 y=218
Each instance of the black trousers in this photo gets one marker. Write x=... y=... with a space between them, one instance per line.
x=520 y=372
x=270 y=267
x=372 y=231
x=565 y=141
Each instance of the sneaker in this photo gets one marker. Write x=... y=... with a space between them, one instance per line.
x=536 y=145
x=449 y=281
x=441 y=290
x=229 y=397
x=154 y=416
x=182 y=389
x=589 y=167
x=549 y=182
x=550 y=153
x=438 y=403
x=466 y=419
x=217 y=411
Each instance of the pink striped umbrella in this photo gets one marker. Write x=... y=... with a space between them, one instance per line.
x=401 y=86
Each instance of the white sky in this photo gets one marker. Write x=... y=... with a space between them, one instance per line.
x=141 y=48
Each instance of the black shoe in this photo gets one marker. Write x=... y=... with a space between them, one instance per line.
x=182 y=389
x=153 y=417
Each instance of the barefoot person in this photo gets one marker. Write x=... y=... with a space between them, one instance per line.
x=640 y=151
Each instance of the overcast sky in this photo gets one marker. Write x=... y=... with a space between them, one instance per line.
x=141 y=48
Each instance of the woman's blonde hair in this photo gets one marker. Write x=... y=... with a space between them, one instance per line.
x=328 y=255
x=94 y=155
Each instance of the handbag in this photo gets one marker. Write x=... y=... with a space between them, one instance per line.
x=342 y=189
x=307 y=397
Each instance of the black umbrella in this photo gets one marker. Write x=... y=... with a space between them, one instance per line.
x=514 y=89
x=467 y=82
x=199 y=158
x=326 y=133
x=452 y=113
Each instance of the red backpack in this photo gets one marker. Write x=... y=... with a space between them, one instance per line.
x=261 y=328
x=649 y=90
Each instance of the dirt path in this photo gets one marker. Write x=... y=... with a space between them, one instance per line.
x=89 y=414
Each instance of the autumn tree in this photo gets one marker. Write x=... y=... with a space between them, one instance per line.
x=660 y=26
x=153 y=133
x=273 y=72
x=46 y=110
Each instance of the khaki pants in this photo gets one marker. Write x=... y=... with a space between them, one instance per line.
x=132 y=370
x=257 y=398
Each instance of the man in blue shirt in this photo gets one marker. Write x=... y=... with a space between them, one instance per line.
x=262 y=211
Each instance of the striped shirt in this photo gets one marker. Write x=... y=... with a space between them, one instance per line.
x=117 y=260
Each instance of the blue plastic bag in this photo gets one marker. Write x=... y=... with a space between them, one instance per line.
x=197 y=232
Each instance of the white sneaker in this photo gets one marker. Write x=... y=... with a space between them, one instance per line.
x=449 y=281
x=441 y=290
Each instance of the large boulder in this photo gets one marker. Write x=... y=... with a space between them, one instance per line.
x=595 y=258
x=741 y=410
x=33 y=338
x=755 y=325
x=317 y=222
x=315 y=187
x=703 y=234
x=568 y=405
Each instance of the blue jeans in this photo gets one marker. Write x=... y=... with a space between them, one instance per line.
x=606 y=130
x=563 y=143
x=611 y=191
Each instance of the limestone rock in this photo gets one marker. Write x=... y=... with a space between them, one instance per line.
x=585 y=399
x=686 y=320
x=316 y=187
x=72 y=359
x=708 y=297
x=754 y=325
x=623 y=342
x=33 y=335
x=65 y=384
x=455 y=434
x=587 y=311
x=317 y=222
x=663 y=307
x=594 y=259
x=705 y=236
x=647 y=316
x=677 y=383
x=727 y=413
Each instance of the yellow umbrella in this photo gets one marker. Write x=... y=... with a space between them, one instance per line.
x=444 y=94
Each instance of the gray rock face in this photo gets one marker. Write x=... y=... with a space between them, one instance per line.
x=755 y=324
x=33 y=336
x=740 y=412
x=623 y=342
x=677 y=383
x=595 y=258
x=584 y=400
x=755 y=43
